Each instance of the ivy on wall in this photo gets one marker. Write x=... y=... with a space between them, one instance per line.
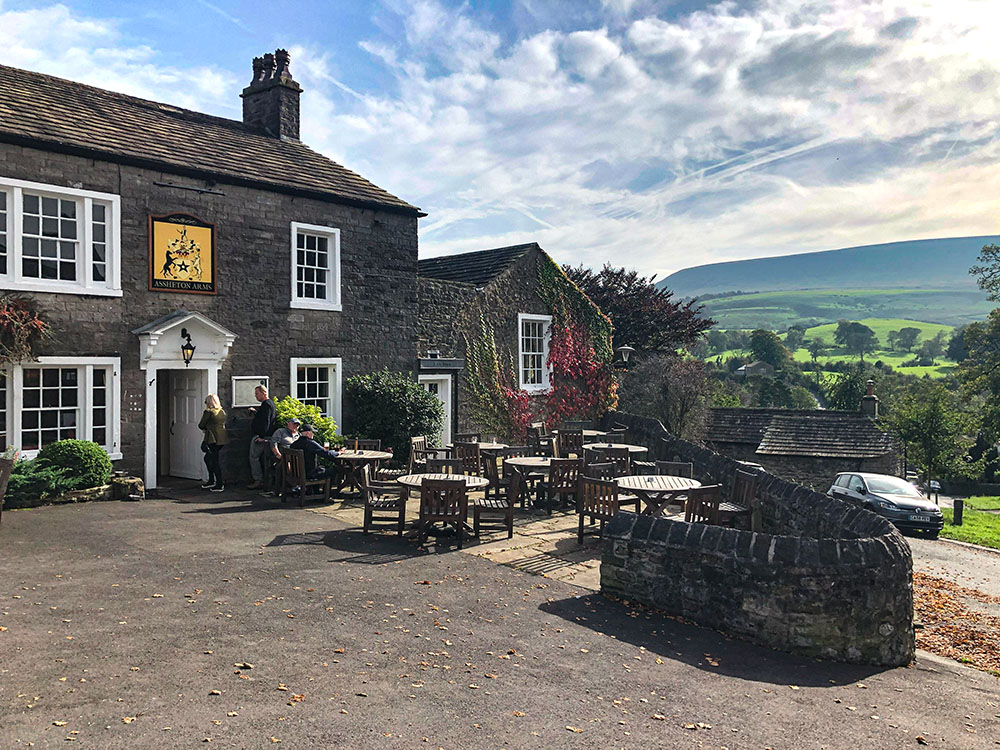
x=582 y=382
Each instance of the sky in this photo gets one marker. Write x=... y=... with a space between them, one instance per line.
x=652 y=135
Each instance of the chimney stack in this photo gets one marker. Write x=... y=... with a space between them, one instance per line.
x=869 y=402
x=271 y=101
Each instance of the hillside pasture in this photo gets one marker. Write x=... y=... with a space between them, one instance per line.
x=778 y=310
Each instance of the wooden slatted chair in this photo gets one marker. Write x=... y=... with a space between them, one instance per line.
x=597 y=500
x=383 y=497
x=618 y=434
x=364 y=444
x=620 y=457
x=675 y=468
x=470 y=456
x=569 y=444
x=295 y=482
x=743 y=503
x=467 y=437
x=497 y=483
x=443 y=501
x=444 y=466
x=500 y=506
x=528 y=478
x=539 y=439
x=575 y=425
x=702 y=504
x=562 y=482
x=605 y=471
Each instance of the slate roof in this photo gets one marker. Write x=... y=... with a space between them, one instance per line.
x=478 y=268
x=800 y=432
x=71 y=117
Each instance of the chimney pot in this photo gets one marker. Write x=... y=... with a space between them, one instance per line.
x=271 y=101
x=869 y=402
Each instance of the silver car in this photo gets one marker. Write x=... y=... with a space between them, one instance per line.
x=892 y=498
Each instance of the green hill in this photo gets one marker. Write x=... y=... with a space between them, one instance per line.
x=917 y=264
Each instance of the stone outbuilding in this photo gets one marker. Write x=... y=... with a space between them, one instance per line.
x=136 y=226
x=806 y=446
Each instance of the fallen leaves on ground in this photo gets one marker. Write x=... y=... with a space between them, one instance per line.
x=951 y=627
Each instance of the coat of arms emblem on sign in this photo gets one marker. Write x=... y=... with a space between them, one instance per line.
x=182 y=254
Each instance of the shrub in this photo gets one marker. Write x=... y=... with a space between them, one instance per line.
x=393 y=407
x=31 y=482
x=85 y=462
x=291 y=408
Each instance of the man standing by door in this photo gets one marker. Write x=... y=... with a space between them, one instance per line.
x=260 y=434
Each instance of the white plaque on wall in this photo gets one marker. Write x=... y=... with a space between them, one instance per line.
x=243 y=388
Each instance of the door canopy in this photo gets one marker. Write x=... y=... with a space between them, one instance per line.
x=160 y=341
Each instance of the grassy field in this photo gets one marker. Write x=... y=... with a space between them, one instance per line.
x=977 y=527
x=881 y=326
x=776 y=310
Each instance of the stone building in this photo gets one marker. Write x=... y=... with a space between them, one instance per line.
x=805 y=446
x=137 y=226
x=457 y=293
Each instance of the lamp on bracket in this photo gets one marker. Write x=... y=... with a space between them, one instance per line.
x=187 y=348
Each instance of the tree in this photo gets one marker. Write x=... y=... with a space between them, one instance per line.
x=816 y=349
x=394 y=407
x=670 y=389
x=775 y=393
x=767 y=347
x=938 y=433
x=934 y=347
x=891 y=339
x=979 y=373
x=987 y=271
x=856 y=337
x=794 y=338
x=957 y=350
x=846 y=390
x=718 y=341
x=644 y=317
x=908 y=337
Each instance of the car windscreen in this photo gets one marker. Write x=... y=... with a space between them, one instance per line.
x=891 y=485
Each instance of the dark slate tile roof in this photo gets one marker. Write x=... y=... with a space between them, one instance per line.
x=64 y=115
x=805 y=432
x=478 y=268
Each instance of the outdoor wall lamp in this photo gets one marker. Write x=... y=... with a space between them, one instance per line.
x=625 y=351
x=187 y=348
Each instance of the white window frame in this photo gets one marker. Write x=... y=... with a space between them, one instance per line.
x=257 y=380
x=546 y=343
x=84 y=283
x=332 y=301
x=335 y=387
x=15 y=380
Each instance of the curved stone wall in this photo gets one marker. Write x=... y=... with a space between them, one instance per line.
x=824 y=579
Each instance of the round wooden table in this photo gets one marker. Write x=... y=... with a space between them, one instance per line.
x=414 y=481
x=537 y=463
x=656 y=490
x=356 y=461
x=591 y=434
x=633 y=450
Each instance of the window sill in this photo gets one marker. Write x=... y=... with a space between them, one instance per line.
x=299 y=304
x=29 y=455
x=36 y=286
x=535 y=389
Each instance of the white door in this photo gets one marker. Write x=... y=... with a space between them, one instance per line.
x=440 y=386
x=187 y=402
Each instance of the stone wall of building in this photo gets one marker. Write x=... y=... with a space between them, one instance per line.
x=823 y=579
x=376 y=329
x=451 y=311
x=818 y=472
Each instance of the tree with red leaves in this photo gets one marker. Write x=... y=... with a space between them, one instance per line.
x=644 y=317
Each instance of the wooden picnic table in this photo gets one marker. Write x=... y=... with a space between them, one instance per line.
x=656 y=490
x=355 y=461
x=634 y=450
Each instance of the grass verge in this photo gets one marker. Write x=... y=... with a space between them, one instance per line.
x=977 y=527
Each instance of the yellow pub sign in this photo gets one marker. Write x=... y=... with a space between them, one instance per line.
x=181 y=254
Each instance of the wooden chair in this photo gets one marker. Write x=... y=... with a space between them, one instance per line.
x=575 y=425
x=620 y=457
x=569 y=444
x=295 y=482
x=419 y=453
x=497 y=483
x=702 y=504
x=444 y=466
x=597 y=500
x=443 y=501
x=539 y=439
x=605 y=471
x=383 y=497
x=470 y=456
x=743 y=502
x=466 y=437
x=529 y=479
x=675 y=468
x=618 y=434
x=500 y=505
x=562 y=482
x=364 y=444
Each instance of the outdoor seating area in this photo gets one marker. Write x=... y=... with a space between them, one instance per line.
x=471 y=487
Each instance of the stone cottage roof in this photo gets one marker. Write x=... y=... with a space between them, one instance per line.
x=43 y=111
x=800 y=432
x=478 y=268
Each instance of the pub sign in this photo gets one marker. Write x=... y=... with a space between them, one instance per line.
x=181 y=254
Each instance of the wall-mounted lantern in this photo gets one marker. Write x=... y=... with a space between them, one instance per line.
x=187 y=348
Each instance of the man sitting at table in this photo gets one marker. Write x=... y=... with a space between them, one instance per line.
x=310 y=448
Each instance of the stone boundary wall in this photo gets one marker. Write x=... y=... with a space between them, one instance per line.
x=119 y=488
x=824 y=579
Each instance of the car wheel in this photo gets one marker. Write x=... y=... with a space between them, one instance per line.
x=932 y=535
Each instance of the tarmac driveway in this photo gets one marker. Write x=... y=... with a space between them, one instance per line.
x=136 y=624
